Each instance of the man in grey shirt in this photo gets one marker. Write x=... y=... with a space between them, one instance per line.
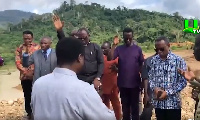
x=147 y=110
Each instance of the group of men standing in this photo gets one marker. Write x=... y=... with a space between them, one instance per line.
x=63 y=78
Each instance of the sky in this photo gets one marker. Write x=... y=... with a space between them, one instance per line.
x=186 y=8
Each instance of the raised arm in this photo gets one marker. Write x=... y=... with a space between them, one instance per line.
x=114 y=45
x=58 y=25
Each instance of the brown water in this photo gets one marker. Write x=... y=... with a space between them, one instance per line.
x=10 y=87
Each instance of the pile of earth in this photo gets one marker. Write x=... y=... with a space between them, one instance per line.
x=14 y=109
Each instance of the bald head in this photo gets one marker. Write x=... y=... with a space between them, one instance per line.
x=74 y=33
x=45 y=43
x=46 y=38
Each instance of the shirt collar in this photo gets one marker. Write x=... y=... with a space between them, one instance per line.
x=168 y=56
x=48 y=50
x=30 y=44
x=64 y=71
x=87 y=44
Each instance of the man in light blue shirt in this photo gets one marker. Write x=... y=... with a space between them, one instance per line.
x=61 y=95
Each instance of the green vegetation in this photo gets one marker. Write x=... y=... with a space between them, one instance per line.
x=103 y=23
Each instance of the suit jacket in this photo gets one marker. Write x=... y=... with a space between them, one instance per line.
x=36 y=59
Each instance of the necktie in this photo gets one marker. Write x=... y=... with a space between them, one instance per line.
x=45 y=55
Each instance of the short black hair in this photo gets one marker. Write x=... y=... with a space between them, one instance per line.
x=127 y=30
x=162 y=38
x=84 y=29
x=68 y=50
x=28 y=32
x=107 y=42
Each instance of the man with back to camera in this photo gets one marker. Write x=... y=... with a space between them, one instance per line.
x=61 y=95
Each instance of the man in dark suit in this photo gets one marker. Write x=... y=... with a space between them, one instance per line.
x=94 y=61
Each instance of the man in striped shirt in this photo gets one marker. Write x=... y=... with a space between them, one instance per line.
x=165 y=80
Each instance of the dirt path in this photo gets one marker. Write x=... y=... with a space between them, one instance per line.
x=8 y=85
x=12 y=108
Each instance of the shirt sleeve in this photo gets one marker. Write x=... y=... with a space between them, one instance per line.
x=18 y=61
x=31 y=60
x=100 y=61
x=116 y=61
x=181 y=81
x=144 y=73
x=116 y=53
x=141 y=57
x=152 y=80
x=92 y=107
x=60 y=34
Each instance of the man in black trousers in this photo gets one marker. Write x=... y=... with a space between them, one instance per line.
x=94 y=61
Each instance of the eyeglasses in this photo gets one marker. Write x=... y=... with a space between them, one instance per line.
x=160 y=49
x=82 y=38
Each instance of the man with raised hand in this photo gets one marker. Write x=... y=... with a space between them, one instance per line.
x=94 y=61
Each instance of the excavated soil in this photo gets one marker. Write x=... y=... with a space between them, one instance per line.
x=14 y=109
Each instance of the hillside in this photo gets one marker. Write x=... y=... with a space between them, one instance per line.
x=13 y=16
x=103 y=24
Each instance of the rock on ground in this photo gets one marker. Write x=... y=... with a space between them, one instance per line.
x=14 y=109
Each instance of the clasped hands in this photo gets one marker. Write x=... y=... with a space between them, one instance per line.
x=160 y=94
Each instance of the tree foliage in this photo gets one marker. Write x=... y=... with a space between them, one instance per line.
x=103 y=24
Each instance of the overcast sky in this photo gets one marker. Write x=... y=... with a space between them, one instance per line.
x=187 y=8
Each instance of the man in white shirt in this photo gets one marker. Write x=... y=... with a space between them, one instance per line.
x=61 y=95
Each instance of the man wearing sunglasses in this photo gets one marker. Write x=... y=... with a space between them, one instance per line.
x=94 y=61
x=166 y=82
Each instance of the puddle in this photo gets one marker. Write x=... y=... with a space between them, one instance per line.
x=10 y=86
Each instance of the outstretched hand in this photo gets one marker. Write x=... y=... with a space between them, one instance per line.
x=189 y=75
x=57 y=22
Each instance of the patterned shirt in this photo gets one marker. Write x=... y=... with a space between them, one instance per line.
x=163 y=74
x=19 y=58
